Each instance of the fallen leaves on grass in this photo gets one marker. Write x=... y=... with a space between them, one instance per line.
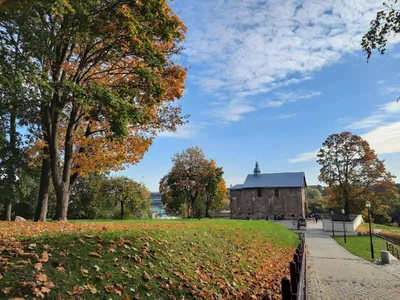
x=38 y=266
x=221 y=262
x=60 y=269
x=45 y=257
x=95 y=254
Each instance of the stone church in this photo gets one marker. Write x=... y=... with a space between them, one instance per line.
x=273 y=196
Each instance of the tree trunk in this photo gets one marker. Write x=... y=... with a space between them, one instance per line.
x=207 y=205
x=192 y=204
x=8 y=207
x=346 y=201
x=346 y=206
x=12 y=164
x=62 y=195
x=62 y=184
x=41 y=209
x=122 y=210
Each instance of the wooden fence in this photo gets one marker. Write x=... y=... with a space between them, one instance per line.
x=295 y=288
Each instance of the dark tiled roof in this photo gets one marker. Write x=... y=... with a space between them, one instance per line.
x=273 y=180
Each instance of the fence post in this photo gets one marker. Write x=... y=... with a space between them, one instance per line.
x=387 y=246
x=297 y=261
x=293 y=276
x=286 y=290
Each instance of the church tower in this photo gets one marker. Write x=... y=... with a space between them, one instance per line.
x=257 y=170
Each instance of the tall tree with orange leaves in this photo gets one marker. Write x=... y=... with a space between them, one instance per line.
x=353 y=173
x=108 y=81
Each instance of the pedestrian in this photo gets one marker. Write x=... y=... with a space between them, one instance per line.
x=316 y=219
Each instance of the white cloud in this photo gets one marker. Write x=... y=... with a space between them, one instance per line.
x=287 y=116
x=384 y=139
x=305 y=156
x=242 y=49
x=381 y=81
x=396 y=55
x=371 y=121
x=383 y=136
x=392 y=107
x=384 y=113
x=185 y=131
x=274 y=103
x=390 y=90
x=233 y=110
x=282 y=98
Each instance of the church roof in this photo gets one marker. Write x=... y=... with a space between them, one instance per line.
x=273 y=180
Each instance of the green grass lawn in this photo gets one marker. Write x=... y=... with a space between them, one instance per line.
x=390 y=232
x=380 y=226
x=360 y=246
x=160 y=259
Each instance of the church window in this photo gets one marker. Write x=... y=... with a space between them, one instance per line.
x=259 y=192
x=276 y=192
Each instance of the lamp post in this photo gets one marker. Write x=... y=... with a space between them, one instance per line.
x=368 y=205
x=333 y=226
x=344 y=227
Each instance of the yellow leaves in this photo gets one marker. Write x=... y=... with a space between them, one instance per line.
x=37 y=293
x=41 y=277
x=95 y=254
x=115 y=289
x=45 y=257
x=78 y=290
x=97 y=268
x=45 y=290
x=32 y=246
x=84 y=272
x=38 y=266
x=90 y=236
x=6 y=290
x=90 y=288
x=60 y=269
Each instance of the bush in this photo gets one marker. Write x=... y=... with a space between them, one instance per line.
x=380 y=217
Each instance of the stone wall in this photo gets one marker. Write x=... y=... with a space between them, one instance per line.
x=289 y=205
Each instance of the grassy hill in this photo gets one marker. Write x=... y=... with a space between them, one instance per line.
x=155 y=259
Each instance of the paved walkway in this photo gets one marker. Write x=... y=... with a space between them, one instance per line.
x=334 y=273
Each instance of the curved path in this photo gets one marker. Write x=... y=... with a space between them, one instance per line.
x=335 y=273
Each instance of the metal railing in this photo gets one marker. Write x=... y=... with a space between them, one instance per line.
x=295 y=288
x=391 y=245
x=395 y=251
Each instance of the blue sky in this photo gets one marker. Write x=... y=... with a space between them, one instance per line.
x=270 y=80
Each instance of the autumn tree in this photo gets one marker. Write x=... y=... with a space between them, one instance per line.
x=354 y=173
x=108 y=81
x=215 y=189
x=129 y=194
x=186 y=180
